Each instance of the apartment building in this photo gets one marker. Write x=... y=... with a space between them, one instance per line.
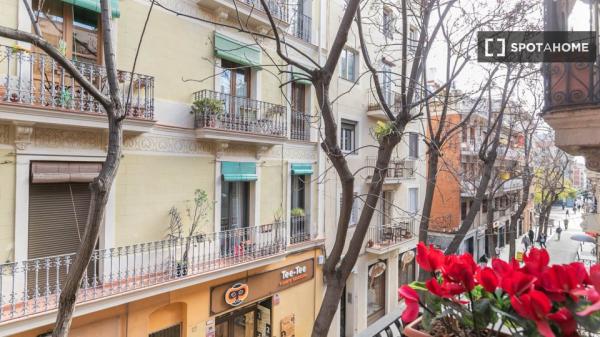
x=206 y=115
x=370 y=302
x=458 y=178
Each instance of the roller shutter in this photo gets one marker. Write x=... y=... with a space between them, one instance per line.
x=57 y=219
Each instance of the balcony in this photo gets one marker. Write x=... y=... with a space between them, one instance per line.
x=223 y=117
x=35 y=88
x=374 y=108
x=470 y=147
x=300 y=230
x=384 y=238
x=33 y=287
x=300 y=126
x=301 y=26
x=398 y=170
x=249 y=11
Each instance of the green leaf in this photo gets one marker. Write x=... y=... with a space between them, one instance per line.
x=417 y=285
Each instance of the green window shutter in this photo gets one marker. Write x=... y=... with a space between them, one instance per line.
x=94 y=5
x=300 y=76
x=237 y=171
x=235 y=51
x=302 y=169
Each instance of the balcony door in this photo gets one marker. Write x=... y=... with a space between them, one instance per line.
x=235 y=88
x=234 y=204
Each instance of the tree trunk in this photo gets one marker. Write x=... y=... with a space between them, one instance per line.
x=100 y=188
x=512 y=235
x=489 y=231
x=329 y=306
x=432 y=167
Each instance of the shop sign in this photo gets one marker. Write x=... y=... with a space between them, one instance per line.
x=255 y=287
x=377 y=269
x=236 y=295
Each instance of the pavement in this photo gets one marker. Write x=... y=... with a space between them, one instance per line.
x=563 y=250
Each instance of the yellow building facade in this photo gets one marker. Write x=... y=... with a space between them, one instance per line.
x=210 y=113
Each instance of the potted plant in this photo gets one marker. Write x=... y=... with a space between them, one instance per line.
x=297 y=212
x=463 y=299
x=207 y=111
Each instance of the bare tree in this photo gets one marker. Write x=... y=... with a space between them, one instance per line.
x=116 y=112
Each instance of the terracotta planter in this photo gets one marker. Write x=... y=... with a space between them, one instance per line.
x=412 y=330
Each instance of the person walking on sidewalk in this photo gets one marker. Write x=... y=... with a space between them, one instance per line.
x=566 y=223
x=531 y=235
x=558 y=231
x=567 y=212
x=543 y=240
x=526 y=242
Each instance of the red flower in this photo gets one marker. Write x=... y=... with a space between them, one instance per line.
x=565 y=320
x=445 y=290
x=536 y=261
x=460 y=269
x=502 y=267
x=517 y=283
x=592 y=293
x=429 y=259
x=535 y=306
x=411 y=299
x=488 y=279
x=560 y=280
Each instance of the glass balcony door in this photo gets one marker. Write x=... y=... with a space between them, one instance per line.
x=235 y=82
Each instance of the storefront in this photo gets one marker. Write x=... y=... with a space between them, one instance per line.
x=244 y=307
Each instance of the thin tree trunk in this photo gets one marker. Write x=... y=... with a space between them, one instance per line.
x=489 y=231
x=432 y=167
x=512 y=235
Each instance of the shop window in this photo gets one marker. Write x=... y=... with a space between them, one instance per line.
x=254 y=320
x=376 y=292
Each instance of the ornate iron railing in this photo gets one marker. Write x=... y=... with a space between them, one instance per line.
x=33 y=286
x=301 y=26
x=569 y=84
x=391 y=97
x=382 y=236
x=240 y=114
x=35 y=79
x=300 y=126
x=277 y=8
x=300 y=229
x=397 y=168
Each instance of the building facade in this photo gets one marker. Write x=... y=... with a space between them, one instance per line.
x=206 y=119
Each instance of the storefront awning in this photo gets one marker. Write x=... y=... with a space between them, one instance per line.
x=64 y=172
x=238 y=171
x=236 y=51
x=94 y=5
x=302 y=169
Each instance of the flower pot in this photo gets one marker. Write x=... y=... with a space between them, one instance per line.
x=413 y=330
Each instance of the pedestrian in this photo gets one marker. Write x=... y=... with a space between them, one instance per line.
x=563 y=206
x=558 y=231
x=566 y=223
x=526 y=242
x=498 y=251
x=531 y=234
x=574 y=210
x=543 y=240
x=483 y=260
x=567 y=212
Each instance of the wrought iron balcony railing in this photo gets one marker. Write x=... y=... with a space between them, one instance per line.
x=300 y=229
x=33 y=286
x=277 y=8
x=301 y=26
x=571 y=84
x=383 y=236
x=300 y=128
x=392 y=99
x=397 y=168
x=239 y=114
x=36 y=80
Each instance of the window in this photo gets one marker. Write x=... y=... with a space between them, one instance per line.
x=376 y=292
x=388 y=23
x=413 y=145
x=413 y=39
x=72 y=29
x=348 y=136
x=406 y=268
x=386 y=83
x=355 y=209
x=413 y=200
x=463 y=209
x=348 y=66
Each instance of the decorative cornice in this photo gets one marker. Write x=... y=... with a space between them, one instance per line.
x=4 y=134
x=163 y=144
x=78 y=139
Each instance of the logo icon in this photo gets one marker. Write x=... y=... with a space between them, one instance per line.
x=491 y=47
x=236 y=295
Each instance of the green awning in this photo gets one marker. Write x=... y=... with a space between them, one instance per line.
x=238 y=171
x=302 y=169
x=94 y=5
x=300 y=76
x=235 y=51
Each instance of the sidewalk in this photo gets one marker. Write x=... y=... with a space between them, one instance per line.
x=563 y=251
